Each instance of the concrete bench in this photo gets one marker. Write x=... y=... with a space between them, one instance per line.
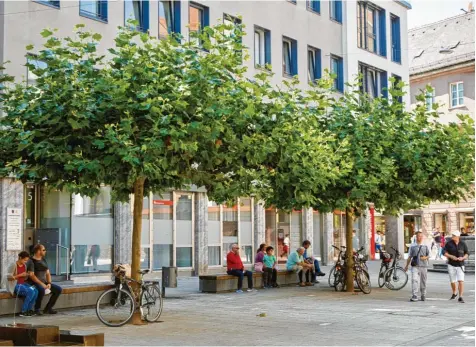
x=72 y=296
x=226 y=283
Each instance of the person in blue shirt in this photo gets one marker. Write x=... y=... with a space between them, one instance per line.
x=309 y=258
x=297 y=264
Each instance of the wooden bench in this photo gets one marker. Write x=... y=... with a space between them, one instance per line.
x=226 y=283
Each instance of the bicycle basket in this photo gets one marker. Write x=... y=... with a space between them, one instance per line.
x=364 y=258
x=386 y=257
x=122 y=270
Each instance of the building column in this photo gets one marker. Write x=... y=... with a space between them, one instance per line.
x=11 y=196
x=365 y=232
x=328 y=237
x=201 y=234
x=307 y=226
x=122 y=233
x=394 y=234
x=260 y=223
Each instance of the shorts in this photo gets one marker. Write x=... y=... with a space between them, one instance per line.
x=456 y=273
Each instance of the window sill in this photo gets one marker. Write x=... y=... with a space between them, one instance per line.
x=397 y=62
x=456 y=107
x=292 y=2
x=313 y=11
x=286 y=75
x=335 y=20
x=261 y=68
x=374 y=53
x=46 y=3
x=93 y=17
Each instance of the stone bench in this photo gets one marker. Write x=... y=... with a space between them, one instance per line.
x=226 y=283
x=72 y=296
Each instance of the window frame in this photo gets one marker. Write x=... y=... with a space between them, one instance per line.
x=457 y=94
x=314 y=9
x=29 y=58
x=144 y=23
x=317 y=63
x=379 y=28
x=396 y=39
x=175 y=7
x=52 y=3
x=293 y=63
x=100 y=16
x=204 y=18
x=339 y=81
x=398 y=79
x=335 y=11
x=264 y=48
x=378 y=85
x=429 y=100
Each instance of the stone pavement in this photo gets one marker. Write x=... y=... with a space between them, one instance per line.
x=295 y=316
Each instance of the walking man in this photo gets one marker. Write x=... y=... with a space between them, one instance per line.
x=235 y=267
x=418 y=256
x=456 y=251
x=40 y=276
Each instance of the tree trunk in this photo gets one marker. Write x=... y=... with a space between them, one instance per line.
x=349 y=252
x=136 y=241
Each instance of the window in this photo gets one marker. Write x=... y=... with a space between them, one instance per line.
x=198 y=19
x=396 y=44
x=371 y=29
x=169 y=18
x=440 y=221
x=53 y=3
x=292 y=1
x=336 y=10
x=396 y=81
x=137 y=11
x=313 y=64
x=374 y=81
x=289 y=57
x=457 y=94
x=429 y=99
x=314 y=5
x=337 y=68
x=93 y=9
x=35 y=64
x=262 y=48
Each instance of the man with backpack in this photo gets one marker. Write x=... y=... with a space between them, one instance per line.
x=456 y=251
x=418 y=256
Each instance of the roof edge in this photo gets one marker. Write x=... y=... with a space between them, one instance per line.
x=404 y=4
x=440 y=21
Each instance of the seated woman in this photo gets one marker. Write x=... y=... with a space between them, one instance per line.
x=259 y=257
x=17 y=285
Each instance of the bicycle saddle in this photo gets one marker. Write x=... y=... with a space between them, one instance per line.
x=143 y=272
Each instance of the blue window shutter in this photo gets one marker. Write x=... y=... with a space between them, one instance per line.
x=384 y=84
x=318 y=68
x=177 y=25
x=206 y=17
x=398 y=55
x=267 y=47
x=145 y=15
x=340 y=75
x=383 y=33
x=294 y=66
x=103 y=13
x=338 y=5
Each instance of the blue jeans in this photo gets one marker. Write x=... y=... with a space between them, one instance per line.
x=29 y=292
x=241 y=275
x=55 y=293
x=316 y=266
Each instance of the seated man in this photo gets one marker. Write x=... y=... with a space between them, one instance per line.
x=17 y=285
x=40 y=276
x=309 y=258
x=235 y=267
x=297 y=264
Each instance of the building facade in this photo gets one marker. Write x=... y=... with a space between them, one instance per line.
x=442 y=57
x=182 y=228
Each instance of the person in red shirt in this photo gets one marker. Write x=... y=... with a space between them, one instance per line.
x=235 y=267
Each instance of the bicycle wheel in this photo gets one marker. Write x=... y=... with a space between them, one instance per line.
x=115 y=307
x=332 y=277
x=339 y=281
x=363 y=281
x=381 y=276
x=151 y=302
x=396 y=278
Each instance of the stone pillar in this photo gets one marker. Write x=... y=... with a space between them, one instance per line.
x=365 y=231
x=260 y=224
x=307 y=226
x=11 y=195
x=328 y=237
x=394 y=235
x=122 y=233
x=201 y=234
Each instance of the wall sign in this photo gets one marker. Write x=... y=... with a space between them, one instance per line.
x=14 y=230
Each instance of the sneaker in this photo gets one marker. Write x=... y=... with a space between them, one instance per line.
x=460 y=299
x=251 y=290
x=24 y=314
x=301 y=284
x=38 y=313
x=308 y=284
x=32 y=313
x=275 y=285
x=320 y=273
x=50 y=311
x=414 y=298
x=422 y=298
x=454 y=296
x=239 y=291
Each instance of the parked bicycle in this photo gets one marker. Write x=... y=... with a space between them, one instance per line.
x=394 y=277
x=116 y=306
x=333 y=270
x=361 y=276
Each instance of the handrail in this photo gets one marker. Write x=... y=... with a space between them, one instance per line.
x=58 y=271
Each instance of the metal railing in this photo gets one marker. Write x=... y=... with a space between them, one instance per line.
x=58 y=270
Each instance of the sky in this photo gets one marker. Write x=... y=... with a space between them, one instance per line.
x=429 y=11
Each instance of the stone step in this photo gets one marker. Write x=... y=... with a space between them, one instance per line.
x=6 y=343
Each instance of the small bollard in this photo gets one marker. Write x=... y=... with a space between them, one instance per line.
x=169 y=278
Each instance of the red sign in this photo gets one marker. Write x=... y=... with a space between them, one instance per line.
x=163 y=202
